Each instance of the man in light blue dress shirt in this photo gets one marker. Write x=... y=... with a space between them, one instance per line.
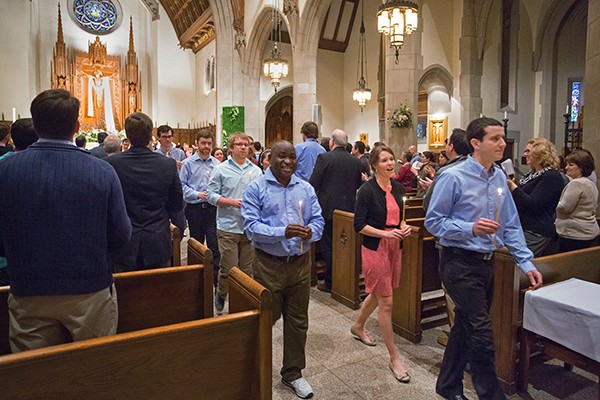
x=227 y=185
x=308 y=151
x=282 y=217
x=165 y=137
x=472 y=213
x=201 y=215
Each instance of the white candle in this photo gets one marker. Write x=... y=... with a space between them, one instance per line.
x=566 y=109
x=497 y=215
x=505 y=116
x=301 y=223
x=480 y=115
x=404 y=208
x=14 y=114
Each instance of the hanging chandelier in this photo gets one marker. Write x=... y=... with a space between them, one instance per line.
x=397 y=19
x=362 y=94
x=275 y=67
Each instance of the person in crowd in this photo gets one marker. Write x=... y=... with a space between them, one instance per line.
x=187 y=150
x=165 y=137
x=23 y=135
x=443 y=158
x=217 y=153
x=257 y=149
x=266 y=160
x=251 y=156
x=378 y=218
x=112 y=144
x=460 y=215
x=80 y=141
x=60 y=279
x=576 y=211
x=5 y=147
x=538 y=193
x=426 y=173
x=325 y=143
x=416 y=157
x=125 y=145
x=358 y=150
x=283 y=262
x=201 y=215
x=336 y=177
x=153 y=197
x=308 y=151
x=228 y=181
x=405 y=176
x=99 y=151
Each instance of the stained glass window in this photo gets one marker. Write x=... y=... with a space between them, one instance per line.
x=98 y=17
x=575 y=100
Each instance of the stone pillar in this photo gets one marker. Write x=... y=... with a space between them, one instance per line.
x=471 y=66
x=591 y=112
x=401 y=87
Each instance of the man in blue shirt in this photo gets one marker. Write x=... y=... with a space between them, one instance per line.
x=282 y=217
x=472 y=213
x=165 y=137
x=227 y=185
x=201 y=215
x=308 y=151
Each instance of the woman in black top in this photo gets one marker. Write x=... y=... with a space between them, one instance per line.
x=377 y=216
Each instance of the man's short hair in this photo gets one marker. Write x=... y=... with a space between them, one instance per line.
x=235 y=136
x=80 y=141
x=476 y=128
x=112 y=143
x=23 y=133
x=360 y=146
x=55 y=113
x=138 y=128
x=102 y=137
x=4 y=129
x=339 y=137
x=163 y=129
x=458 y=139
x=310 y=130
x=204 y=133
x=257 y=146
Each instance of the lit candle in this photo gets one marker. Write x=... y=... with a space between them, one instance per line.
x=497 y=215
x=505 y=115
x=14 y=114
x=480 y=115
x=301 y=223
x=566 y=109
x=404 y=208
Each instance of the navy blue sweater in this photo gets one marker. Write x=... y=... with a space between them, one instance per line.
x=62 y=213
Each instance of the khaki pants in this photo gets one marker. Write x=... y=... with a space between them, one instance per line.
x=236 y=251
x=41 y=321
x=289 y=284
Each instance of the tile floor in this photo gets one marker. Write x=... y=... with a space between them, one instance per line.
x=340 y=367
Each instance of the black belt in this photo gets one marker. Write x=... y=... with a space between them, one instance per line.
x=469 y=253
x=285 y=259
x=200 y=205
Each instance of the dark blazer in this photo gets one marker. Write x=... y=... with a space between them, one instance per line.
x=99 y=151
x=336 y=177
x=371 y=209
x=153 y=195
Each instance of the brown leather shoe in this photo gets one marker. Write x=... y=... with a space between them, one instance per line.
x=323 y=288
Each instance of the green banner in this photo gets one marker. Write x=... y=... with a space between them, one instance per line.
x=233 y=121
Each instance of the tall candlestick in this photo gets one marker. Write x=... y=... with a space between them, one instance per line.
x=404 y=208
x=497 y=215
x=14 y=114
x=301 y=223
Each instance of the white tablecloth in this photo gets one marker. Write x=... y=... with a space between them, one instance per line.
x=568 y=313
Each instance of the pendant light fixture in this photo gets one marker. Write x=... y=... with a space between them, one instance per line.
x=362 y=94
x=275 y=67
x=397 y=19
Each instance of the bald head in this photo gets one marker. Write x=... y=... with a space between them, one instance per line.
x=412 y=149
x=283 y=161
x=339 y=138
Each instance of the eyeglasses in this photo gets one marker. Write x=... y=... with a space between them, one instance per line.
x=241 y=144
x=167 y=137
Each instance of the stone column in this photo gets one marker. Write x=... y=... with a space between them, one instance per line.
x=471 y=66
x=591 y=112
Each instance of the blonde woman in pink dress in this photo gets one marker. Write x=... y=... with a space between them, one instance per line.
x=377 y=217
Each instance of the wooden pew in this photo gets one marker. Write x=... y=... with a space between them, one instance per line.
x=414 y=211
x=418 y=302
x=507 y=307
x=347 y=285
x=176 y=241
x=226 y=357
x=414 y=201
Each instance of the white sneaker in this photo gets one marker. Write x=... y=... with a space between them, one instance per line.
x=301 y=387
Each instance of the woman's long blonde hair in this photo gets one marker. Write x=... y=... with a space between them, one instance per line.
x=544 y=151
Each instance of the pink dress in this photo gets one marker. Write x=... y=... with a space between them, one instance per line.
x=381 y=268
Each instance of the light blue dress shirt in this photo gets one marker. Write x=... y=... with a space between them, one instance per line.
x=175 y=153
x=268 y=208
x=230 y=180
x=306 y=155
x=195 y=175
x=466 y=193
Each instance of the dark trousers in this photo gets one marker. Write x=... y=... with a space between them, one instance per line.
x=565 y=244
x=470 y=284
x=327 y=251
x=202 y=221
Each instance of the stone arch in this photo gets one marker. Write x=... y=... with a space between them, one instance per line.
x=279 y=111
x=437 y=76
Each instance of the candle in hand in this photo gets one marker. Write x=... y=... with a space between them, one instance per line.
x=497 y=215
x=301 y=223
x=404 y=208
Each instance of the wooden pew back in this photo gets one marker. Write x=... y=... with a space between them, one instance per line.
x=176 y=244
x=217 y=358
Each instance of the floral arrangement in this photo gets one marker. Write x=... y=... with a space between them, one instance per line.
x=401 y=117
x=92 y=134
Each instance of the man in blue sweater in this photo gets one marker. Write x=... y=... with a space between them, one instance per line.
x=62 y=213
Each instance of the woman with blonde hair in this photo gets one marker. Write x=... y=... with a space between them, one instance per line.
x=377 y=216
x=537 y=194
